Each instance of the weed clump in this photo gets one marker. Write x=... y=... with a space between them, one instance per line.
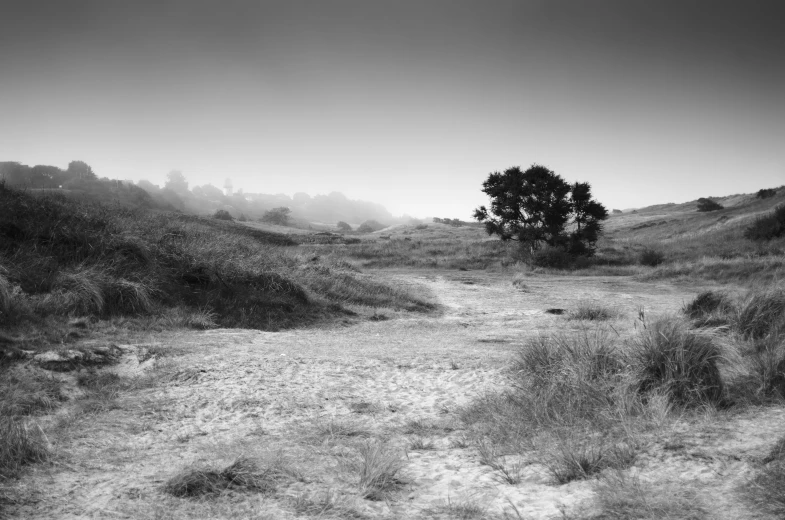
x=20 y=444
x=378 y=468
x=767 y=227
x=591 y=312
x=709 y=308
x=760 y=313
x=651 y=257
x=766 y=490
x=681 y=362
x=241 y=474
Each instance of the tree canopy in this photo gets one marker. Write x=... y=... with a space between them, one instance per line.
x=538 y=207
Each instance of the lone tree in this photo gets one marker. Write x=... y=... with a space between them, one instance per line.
x=279 y=216
x=538 y=207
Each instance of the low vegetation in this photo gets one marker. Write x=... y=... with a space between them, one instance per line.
x=586 y=401
x=60 y=259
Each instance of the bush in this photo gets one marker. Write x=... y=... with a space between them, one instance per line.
x=681 y=362
x=222 y=214
x=705 y=204
x=369 y=226
x=551 y=257
x=767 y=362
x=20 y=444
x=241 y=474
x=651 y=257
x=617 y=212
x=766 y=193
x=709 y=308
x=768 y=227
x=591 y=312
x=343 y=226
x=760 y=314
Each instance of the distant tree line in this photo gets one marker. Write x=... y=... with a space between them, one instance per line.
x=79 y=179
x=450 y=221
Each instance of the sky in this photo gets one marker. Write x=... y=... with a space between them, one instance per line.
x=411 y=104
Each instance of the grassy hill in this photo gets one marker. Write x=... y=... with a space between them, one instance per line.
x=62 y=259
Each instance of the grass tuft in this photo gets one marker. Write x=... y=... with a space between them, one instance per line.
x=681 y=362
x=243 y=473
x=759 y=313
x=20 y=444
x=379 y=469
x=591 y=312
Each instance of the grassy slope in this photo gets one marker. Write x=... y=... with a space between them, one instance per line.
x=63 y=258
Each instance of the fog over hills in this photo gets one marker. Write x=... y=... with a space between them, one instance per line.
x=78 y=179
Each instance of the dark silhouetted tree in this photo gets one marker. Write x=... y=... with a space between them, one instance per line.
x=536 y=207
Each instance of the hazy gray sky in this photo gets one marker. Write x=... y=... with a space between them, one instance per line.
x=407 y=103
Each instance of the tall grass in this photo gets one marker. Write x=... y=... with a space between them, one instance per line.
x=67 y=258
x=681 y=362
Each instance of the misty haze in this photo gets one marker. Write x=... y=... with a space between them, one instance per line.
x=392 y=260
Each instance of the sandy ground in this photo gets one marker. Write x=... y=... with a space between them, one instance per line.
x=228 y=393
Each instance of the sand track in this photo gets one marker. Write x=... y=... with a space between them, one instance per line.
x=257 y=393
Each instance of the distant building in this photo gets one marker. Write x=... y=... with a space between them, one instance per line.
x=228 y=187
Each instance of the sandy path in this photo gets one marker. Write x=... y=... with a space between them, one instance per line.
x=255 y=393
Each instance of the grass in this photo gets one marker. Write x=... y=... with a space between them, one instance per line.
x=378 y=468
x=329 y=504
x=242 y=474
x=681 y=362
x=591 y=312
x=766 y=490
x=622 y=497
x=62 y=258
x=21 y=443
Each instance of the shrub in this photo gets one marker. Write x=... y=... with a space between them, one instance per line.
x=343 y=226
x=760 y=313
x=651 y=257
x=617 y=212
x=592 y=312
x=222 y=214
x=21 y=444
x=766 y=193
x=705 y=204
x=279 y=216
x=767 y=227
x=708 y=308
x=551 y=257
x=767 y=359
x=369 y=226
x=679 y=361
x=242 y=473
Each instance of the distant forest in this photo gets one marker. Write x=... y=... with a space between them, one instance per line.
x=80 y=181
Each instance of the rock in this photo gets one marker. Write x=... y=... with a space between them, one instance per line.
x=73 y=359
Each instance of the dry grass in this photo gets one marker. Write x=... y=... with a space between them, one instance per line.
x=21 y=442
x=592 y=312
x=681 y=362
x=242 y=474
x=327 y=504
x=623 y=497
x=766 y=490
x=378 y=467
